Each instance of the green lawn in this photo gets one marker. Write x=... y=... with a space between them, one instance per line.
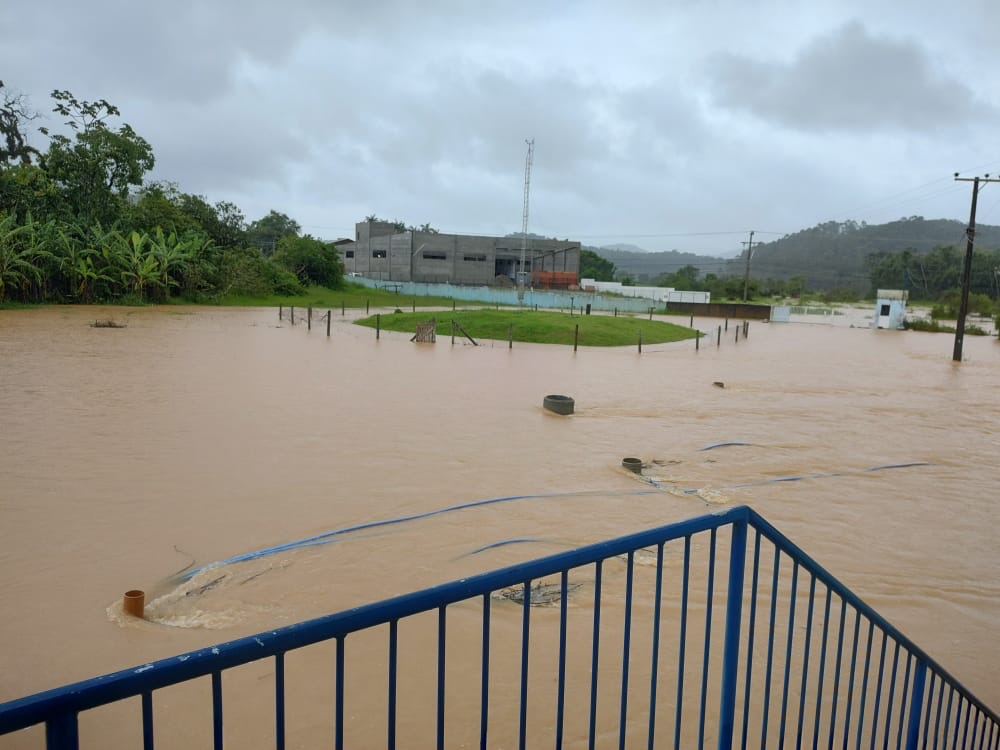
x=539 y=327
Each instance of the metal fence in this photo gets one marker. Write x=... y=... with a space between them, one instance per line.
x=717 y=631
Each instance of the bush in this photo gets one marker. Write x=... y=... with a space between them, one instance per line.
x=245 y=272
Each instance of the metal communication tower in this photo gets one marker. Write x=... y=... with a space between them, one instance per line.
x=524 y=223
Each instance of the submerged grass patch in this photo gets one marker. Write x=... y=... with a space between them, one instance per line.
x=540 y=327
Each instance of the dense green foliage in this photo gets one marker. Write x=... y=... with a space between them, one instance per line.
x=79 y=224
x=540 y=327
x=593 y=266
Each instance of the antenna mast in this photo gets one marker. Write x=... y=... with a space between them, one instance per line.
x=524 y=224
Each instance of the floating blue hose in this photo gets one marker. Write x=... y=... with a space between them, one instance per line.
x=501 y=543
x=723 y=445
x=330 y=536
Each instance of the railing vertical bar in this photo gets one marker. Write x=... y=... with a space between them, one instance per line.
x=903 y=706
x=947 y=713
x=958 y=721
x=655 y=663
x=836 y=672
x=442 y=634
x=595 y=649
x=147 y=720
x=805 y=661
x=561 y=689
x=927 y=714
x=338 y=698
x=62 y=732
x=391 y=700
x=708 y=637
x=975 y=727
x=852 y=675
x=279 y=700
x=731 y=643
x=878 y=691
x=789 y=640
x=217 y=709
x=822 y=667
x=916 y=704
x=864 y=683
x=626 y=644
x=682 y=641
x=484 y=708
x=965 y=726
x=750 y=639
x=892 y=696
x=525 y=631
x=768 y=670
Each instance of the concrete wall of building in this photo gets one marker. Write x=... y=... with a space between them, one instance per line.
x=381 y=253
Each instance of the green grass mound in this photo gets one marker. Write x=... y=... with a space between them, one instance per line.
x=539 y=327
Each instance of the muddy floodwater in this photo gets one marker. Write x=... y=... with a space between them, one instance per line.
x=131 y=455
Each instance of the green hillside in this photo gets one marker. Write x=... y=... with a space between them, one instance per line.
x=829 y=255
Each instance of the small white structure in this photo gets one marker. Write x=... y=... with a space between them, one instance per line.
x=890 y=308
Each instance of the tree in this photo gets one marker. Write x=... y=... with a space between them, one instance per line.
x=312 y=261
x=14 y=113
x=593 y=266
x=268 y=230
x=96 y=168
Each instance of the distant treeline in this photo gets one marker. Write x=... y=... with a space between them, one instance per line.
x=837 y=260
x=77 y=223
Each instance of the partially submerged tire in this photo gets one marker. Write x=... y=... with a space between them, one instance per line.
x=632 y=464
x=559 y=404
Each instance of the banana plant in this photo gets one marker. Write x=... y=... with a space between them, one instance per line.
x=18 y=256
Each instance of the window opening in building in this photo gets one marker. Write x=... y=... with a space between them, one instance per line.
x=379 y=253
x=476 y=258
x=436 y=256
x=885 y=310
x=348 y=253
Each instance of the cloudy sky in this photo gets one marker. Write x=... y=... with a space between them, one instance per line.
x=676 y=124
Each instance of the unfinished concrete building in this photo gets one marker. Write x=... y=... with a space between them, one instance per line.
x=380 y=251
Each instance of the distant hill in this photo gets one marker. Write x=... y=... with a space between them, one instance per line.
x=829 y=255
x=833 y=254
x=644 y=266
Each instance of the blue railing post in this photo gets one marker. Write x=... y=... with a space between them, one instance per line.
x=62 y=733
x=916 y=705
x=731 y=647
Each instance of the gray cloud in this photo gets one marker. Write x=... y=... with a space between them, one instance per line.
x=848 y=80
x=329 y=111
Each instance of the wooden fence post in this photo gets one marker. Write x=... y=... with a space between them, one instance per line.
x=279 y=312
x=718 y=337
x=510 y=335
x=309 y=318
x=292 y=310
x=329 y=314
x=378 y=325
x=576 y=336
x=640 y=341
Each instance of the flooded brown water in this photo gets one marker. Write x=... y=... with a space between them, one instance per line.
x=193 y=435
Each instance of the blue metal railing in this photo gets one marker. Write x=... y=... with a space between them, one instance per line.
x=717 y=631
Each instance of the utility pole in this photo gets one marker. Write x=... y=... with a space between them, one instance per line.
x=970 y=234
x=524 y=223
x=746 y=274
